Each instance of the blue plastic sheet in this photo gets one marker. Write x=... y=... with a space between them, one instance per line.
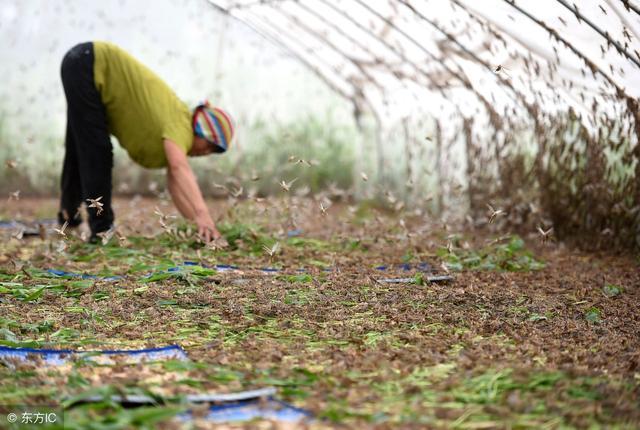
x=13 y=223
x=217 y=398
x=270 y=409
x=230 y=407
x=221 y=267
x=57 y=357
x=63 y=274
x=266 y=409
x=422 y=267
x=28 y=228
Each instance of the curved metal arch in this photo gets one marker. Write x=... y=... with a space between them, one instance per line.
x=377 y=61
x=630 y=6
x=493 y=114
x=385 y=44
x=589 y=63
x=621 y=50
x=501 y=32
x=520 y=97
x=246 y=6
x=277 y=42
x=331 y=45
x=357 y=99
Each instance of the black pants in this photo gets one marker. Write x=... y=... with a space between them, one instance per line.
x=88 y=159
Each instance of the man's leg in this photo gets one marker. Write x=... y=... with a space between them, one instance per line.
x=87 y=121
x=71 y=187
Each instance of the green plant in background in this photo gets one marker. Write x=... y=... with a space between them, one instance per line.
x=302 y=278
x=328 y=147
x=611 y=290
x=325 y=140
x=511 y=257
x=188 y=274
x=244 y=236
x=593 y=315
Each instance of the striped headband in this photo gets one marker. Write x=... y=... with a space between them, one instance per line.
x=214 y=125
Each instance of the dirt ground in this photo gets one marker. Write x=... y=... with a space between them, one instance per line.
x=526 y=335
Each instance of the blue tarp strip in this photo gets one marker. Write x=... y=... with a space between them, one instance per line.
x=13 y=223
x=61 y=356
x=269 y=409
x=406 y=267
x=62 y=273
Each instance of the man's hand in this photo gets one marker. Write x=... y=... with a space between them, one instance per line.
x=186 y=194
x=206 y=228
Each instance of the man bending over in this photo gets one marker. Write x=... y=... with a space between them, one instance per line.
x=111 y=93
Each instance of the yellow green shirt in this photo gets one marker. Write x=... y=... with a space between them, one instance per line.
x=142 y=110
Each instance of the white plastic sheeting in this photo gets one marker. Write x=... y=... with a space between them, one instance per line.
x=406 y=58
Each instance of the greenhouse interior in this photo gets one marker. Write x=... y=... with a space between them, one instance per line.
x=320 y=214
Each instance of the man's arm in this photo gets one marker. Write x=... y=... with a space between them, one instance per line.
x=185 y=192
